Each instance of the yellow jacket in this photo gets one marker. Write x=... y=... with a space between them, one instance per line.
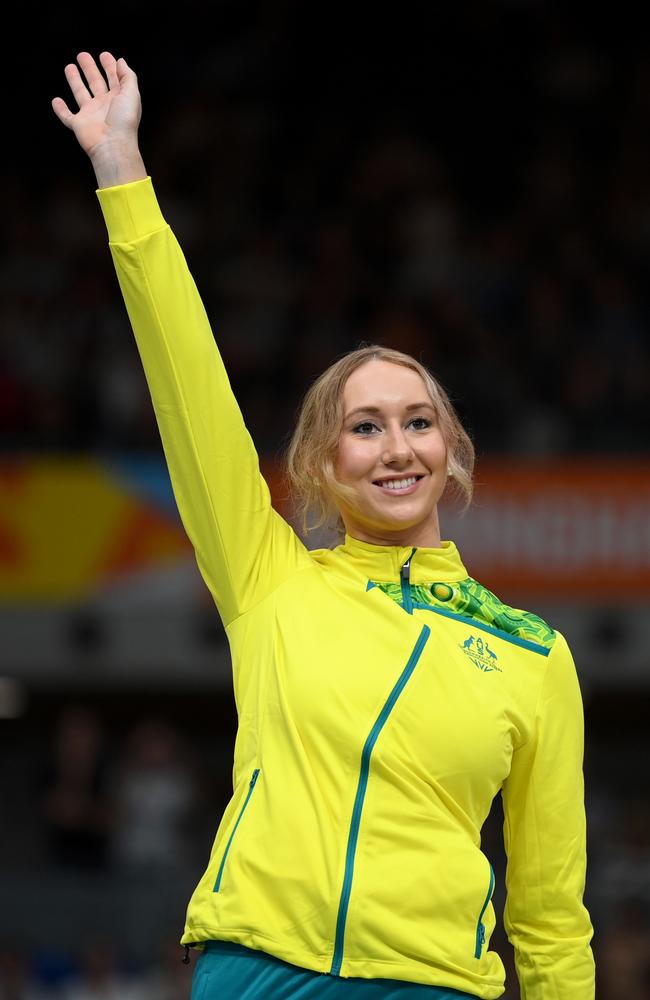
x=383 y=696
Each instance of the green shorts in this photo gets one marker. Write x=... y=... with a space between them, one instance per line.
x=229 y=971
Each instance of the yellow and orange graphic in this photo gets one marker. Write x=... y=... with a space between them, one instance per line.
x=69 y=526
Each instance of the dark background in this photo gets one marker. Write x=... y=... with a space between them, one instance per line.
x=468 y=183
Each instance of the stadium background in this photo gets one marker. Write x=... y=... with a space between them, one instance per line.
x=469 y=183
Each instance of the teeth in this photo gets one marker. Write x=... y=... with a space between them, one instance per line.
x=399 y=484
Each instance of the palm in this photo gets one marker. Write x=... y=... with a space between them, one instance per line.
x=109 y=107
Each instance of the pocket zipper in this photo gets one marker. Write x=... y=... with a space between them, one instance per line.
x=480 y=929
x=251 y=786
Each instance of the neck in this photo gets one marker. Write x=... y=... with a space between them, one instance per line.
x=420 y=536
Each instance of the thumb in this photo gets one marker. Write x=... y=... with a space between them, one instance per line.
x=123 y=69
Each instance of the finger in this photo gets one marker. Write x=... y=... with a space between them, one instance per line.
x=62 y=111
x=77 y=85
x=109 y=64
x=96 y=82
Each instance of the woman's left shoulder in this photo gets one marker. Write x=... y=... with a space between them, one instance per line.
x=516 y=622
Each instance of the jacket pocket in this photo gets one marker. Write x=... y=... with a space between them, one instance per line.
x=251 y=786
x=480 y=927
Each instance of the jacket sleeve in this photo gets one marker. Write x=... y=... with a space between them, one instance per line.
x=244 y=549
x=545 y=842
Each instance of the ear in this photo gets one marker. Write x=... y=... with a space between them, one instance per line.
x=313 y=475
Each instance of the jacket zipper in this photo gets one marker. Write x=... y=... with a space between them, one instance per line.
x=480 y=929
x=251 y=786
x=405 y=580
x=353 y=836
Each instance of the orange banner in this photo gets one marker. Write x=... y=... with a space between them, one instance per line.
x=577 y=529
x=572 y=529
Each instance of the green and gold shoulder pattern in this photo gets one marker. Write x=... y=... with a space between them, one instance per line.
x=470 y=599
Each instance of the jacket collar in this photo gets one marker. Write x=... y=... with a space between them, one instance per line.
x=383 y=563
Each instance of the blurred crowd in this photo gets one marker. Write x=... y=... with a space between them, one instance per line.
x=133 y=810
x=489 y=214
x=92 y=811
x=99 y=971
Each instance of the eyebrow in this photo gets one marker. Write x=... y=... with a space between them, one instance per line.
x=377 y=409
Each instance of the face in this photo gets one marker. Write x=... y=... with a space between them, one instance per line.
x=393 y=455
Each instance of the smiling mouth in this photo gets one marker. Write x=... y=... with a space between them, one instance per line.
x=397 y=485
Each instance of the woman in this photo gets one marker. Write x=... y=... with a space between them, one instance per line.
x=384 y=697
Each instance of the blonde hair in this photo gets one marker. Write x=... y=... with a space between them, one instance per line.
x=311 y=455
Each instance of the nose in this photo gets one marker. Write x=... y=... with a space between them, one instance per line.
x=397 y=450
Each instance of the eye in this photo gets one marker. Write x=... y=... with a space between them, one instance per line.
x=420 y=423
x=365 y=428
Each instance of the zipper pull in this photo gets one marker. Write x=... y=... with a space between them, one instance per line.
x=405 y=575
x=406 y=568
x=186 y=960
x=251 y=783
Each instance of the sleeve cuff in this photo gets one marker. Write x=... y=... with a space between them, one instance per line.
x=130 y=211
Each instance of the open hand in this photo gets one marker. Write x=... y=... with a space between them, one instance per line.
x=106 y=124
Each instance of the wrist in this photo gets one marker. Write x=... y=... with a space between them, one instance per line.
x=118 y=165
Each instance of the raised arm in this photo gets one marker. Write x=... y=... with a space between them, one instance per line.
x=244 y=549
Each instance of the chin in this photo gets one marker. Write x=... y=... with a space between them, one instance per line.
x=404 y=517
x=394 y=523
